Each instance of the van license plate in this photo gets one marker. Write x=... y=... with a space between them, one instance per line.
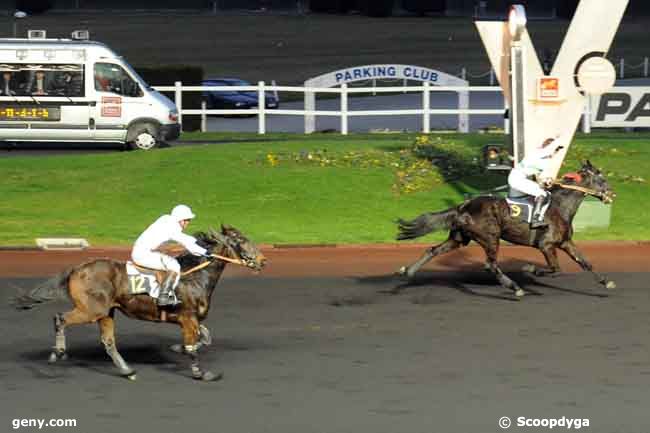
x=22 y=113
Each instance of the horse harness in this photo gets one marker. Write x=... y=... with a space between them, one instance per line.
x=521 y=207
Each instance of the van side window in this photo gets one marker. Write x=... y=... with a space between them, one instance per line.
x=41 y=80
x=68 y=83
x=9 y=83
x=113 y=78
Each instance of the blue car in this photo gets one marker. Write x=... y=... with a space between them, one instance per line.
x=235 y=99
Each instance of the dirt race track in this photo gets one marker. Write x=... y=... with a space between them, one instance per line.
x=316 y=343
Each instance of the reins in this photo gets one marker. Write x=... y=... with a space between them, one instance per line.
x=208 y=262
x=580 y=189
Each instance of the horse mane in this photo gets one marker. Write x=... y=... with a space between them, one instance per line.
x=187 y=259
x=184 y=257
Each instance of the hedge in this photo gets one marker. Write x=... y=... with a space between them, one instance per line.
x=167 y=75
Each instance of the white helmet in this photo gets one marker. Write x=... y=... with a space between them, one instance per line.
x=182 y=212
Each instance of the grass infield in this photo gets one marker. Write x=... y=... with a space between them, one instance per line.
x=287 y=188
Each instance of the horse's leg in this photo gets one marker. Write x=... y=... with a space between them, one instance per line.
x=107 y=329
x=550 y=254
x=205 y=339
x=570 y=248
x=491 y=248
x=58 y=351
x=190 y=328
x=448 y=245
x=61 y=321
x=89 y=306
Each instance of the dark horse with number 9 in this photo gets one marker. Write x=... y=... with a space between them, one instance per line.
x=99 y=287
x=487 y=219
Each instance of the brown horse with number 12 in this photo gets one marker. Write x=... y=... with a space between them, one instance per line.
x=99 y=287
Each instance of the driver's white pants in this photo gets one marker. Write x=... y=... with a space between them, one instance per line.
x=156 y=260
x=518 y=180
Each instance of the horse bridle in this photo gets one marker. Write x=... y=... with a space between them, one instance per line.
x=210 y=260
x=606 y=197
x=213 y=257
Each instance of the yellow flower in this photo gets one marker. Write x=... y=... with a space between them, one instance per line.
x=272 y=159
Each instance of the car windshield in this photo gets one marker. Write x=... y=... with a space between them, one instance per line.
x=219 y=83
x=227 y=83
x=236 y=82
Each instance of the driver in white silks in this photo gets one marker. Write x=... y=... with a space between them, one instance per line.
x=525 y=177
x=166 y=228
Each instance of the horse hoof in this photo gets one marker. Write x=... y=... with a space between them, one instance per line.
x=530 y=268
x=209 y=376
x=127 y=372
x=57 y=356
x=131 y=377
x=204 y=336
x=401 y=271
x=176 y=348
x=610 y=285
x=519 y=293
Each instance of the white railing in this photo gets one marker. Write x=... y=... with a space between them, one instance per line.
x=344 y=112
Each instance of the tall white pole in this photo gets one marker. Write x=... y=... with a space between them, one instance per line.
x=261 y=108
x=178 y=100
x=426 y=106
x=344 y=109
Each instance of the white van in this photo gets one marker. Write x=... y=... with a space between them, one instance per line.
x=75 y=90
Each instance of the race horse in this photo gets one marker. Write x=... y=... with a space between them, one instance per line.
x=99 y=287
x=487 y=219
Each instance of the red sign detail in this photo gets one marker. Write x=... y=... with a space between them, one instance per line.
x=549 y=87
x=111 y=106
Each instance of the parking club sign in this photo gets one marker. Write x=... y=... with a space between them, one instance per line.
x=385 y=72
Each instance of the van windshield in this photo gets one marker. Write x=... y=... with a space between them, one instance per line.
x=137 y=77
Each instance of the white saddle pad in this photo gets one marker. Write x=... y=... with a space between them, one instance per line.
x=140 y=282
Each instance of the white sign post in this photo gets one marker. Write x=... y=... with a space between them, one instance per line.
x=550 y=106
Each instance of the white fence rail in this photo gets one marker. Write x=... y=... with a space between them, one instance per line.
x=344 y=112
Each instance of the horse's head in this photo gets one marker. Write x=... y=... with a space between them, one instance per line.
x=592 y=178
x=238 y=246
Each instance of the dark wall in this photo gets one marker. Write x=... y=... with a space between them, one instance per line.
x=173 y=4
x=500 y=7
x=130 y=4
x=564 y=8
x=637 y=8
x=256 y=4
x=567 y=8
x=460 y=7
x=424 y=6
x=542 y=7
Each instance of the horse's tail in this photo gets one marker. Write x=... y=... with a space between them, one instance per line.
x=52 y=289
x=426 y=223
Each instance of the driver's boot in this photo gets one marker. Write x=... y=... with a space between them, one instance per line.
x=167 y=296
x=538 y=220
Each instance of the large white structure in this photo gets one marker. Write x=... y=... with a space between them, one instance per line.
x=549 y=106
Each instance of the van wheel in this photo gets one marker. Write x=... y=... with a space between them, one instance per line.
x=144 y=137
